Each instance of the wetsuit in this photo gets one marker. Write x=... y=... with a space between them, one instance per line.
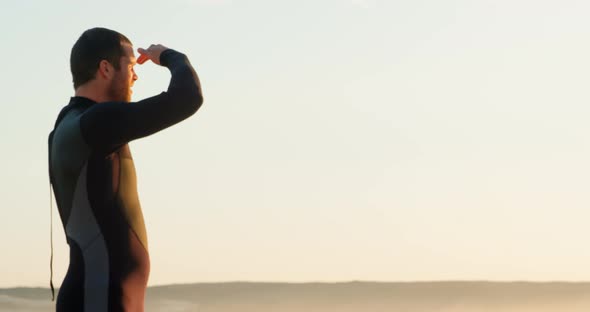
x=93 y=178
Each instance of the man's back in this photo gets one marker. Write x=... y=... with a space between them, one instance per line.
x=93 y=176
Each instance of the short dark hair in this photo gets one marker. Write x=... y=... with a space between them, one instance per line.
x=93 y=46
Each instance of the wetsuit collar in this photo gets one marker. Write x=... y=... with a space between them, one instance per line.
x=80 y=100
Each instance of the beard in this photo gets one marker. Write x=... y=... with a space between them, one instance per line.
x=118 y=90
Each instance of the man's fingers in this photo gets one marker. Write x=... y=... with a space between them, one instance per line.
x=152 y=53
x=142 y=59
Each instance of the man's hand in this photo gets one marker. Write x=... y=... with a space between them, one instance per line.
x=152 y=53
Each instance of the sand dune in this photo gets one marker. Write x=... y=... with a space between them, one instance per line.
x=341 y=297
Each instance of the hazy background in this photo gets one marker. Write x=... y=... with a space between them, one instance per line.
x=341 y=297
x=339 y=140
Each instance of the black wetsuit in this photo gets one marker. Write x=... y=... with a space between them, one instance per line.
x=93 y=177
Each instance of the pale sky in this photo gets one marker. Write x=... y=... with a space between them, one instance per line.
x=339 y=139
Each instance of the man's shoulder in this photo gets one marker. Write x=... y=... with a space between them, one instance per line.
x=66 y=134
x=66 y=120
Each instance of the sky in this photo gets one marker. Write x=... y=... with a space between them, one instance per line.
x=339 y=139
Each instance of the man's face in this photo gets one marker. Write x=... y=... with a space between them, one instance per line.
x=120 y=87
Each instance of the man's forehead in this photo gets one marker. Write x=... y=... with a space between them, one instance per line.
x=128 y=48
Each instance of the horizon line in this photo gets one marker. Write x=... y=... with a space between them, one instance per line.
x=347 y=282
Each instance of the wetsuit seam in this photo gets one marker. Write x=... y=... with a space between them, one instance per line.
x=91 y=241
x=118 y=178
x=138 y=239
x=118 y=198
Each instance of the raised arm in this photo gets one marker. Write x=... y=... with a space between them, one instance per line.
x=109 y=124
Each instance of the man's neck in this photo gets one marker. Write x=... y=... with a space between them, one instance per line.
x=90 y=92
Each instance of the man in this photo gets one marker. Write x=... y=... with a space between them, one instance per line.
x=92 y=171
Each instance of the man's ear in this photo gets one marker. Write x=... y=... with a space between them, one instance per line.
x=105 y=70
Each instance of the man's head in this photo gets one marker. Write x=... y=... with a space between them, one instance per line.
x=102 y=60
